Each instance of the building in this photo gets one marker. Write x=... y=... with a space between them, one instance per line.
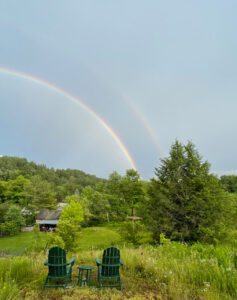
x=48 y=219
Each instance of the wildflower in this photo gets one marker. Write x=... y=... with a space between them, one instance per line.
x=207 y=284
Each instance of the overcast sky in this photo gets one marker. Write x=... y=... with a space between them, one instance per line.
x=154 y=71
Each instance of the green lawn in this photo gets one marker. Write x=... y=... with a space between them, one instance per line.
x=19 y=243
x=97 y=238
x=93 y=237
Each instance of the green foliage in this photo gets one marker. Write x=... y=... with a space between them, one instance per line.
x=3 y=191
x=230 y=183
x=54 y=240
x=72 y=213
x=14 y=214
x=74 y=198
x=68 y=233
x=113 y=200
x=39 y=194
x=124 y=194
x=69 y=224
x=186 y=202
x=14 y=190
x=39 y=240
x=3 y=210
x=84 y=202
x=99 y=208
x=135 y=233
x=9 y=228
x=164 y=240
x=34 y=187
x=95 y=205
x=132 y=189
x=12 y=220
x=67 y=181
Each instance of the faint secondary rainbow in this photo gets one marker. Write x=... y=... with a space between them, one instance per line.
x=78 y=101
x=149 y=130
x=145 y=124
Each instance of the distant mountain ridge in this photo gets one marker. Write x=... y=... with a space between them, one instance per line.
x=12 y=167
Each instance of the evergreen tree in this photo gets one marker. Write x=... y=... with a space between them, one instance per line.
x=186 y=202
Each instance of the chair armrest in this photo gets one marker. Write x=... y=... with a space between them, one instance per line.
x=46 y=262
x=98 y=261
x=121 y=262
x=71 y=261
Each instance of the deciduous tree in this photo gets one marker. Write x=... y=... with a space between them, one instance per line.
x=69 y=224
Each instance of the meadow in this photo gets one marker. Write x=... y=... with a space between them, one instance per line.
x=169 y=271
x=89 y=238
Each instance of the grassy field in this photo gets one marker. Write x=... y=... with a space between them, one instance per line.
x=98 y=238
x=173 y=271
x=95 y=237
x=20 y=243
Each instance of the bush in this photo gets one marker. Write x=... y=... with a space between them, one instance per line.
x=9 y=228
x=135 y=233
x=54 y=240
x=13 y=220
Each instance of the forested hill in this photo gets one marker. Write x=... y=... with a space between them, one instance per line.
x=69 y=180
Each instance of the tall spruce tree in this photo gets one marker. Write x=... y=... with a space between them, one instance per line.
x=186 y=202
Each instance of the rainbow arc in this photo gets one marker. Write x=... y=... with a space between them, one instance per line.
x=70 y=97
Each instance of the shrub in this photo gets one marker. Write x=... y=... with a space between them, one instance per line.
x=135 y=233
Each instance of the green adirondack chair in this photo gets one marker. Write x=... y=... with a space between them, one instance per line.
x=60 y=271
x=109 y=268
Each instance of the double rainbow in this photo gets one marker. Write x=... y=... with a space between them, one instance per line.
x=70 y=97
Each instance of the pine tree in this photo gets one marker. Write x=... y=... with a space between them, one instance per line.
x=186 y=202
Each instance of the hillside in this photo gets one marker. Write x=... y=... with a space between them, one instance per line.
x=11 y=167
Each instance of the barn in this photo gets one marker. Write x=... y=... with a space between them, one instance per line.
x=48 y=219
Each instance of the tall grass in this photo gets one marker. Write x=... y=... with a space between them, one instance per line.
x=181 y=269
x=173 y=271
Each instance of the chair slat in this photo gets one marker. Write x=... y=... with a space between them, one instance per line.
x=58 y=267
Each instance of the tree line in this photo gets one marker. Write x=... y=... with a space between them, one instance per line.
x=184 y=202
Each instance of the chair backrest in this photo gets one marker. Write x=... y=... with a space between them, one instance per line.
x=110 y=262
x=57 y=262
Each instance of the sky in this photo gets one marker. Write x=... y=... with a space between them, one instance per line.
x=109 y=85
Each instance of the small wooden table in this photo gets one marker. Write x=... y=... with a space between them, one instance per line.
x=84 y=275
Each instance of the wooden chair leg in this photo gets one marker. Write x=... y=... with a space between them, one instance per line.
x=67 y=280
x=100 y=284
x=120 y=284
x=45 y=282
